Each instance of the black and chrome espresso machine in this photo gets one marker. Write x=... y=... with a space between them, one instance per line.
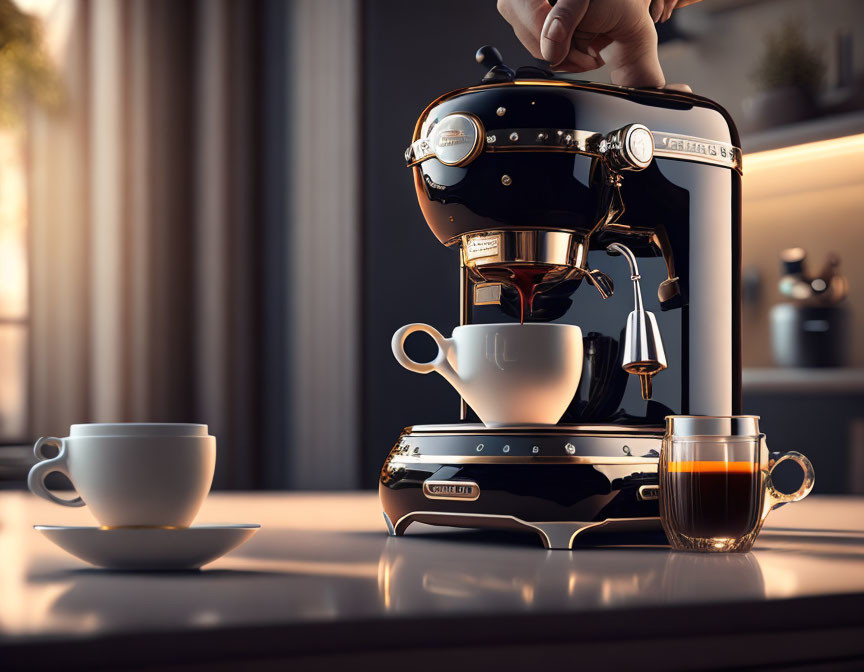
x=596 y=193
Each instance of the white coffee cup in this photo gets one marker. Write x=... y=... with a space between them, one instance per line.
x=510 y=374
x=132 y=474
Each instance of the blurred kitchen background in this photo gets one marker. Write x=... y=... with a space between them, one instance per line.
x=205 y=216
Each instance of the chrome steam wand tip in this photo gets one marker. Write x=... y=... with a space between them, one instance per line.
x=644 y=355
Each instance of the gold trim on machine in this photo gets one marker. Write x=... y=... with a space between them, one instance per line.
x=667 y=145
x=588 y=143
x=520 y=459
x=566 y=251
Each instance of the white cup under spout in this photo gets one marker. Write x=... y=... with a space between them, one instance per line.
x=510 y=374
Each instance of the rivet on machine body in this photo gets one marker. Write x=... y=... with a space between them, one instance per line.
x=501 y=111
x=506 y=180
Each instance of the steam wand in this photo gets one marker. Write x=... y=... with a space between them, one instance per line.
x=643 y=346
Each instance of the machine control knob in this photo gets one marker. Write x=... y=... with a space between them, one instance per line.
x=490 y=59
x=629 y=148
x=488 y=56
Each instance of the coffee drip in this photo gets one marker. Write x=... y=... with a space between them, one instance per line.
x=527 y=280
x=644 y=355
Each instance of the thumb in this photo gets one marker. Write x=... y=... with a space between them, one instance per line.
x=558 y=29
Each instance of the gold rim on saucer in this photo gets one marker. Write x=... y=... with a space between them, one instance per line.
x=141 y=527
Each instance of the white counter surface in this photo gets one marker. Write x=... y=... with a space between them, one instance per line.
x=322 y=581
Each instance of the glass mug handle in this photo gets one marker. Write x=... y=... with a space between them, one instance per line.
x=777 y=498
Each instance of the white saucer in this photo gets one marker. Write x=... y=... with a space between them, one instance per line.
x=148 y=548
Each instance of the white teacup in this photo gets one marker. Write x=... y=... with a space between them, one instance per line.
x=132 y=474
x=510 y=374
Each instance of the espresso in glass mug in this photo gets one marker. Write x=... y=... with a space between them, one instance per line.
x=715 y=482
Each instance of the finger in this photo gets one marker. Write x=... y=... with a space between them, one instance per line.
x=684 y=88
x=600 y=43
x=576 y=61
x=656 y=10
x=581 y=41
x=633 y=56
x=526 y=18
x=558 y=29
x=667 y=12
x=530 y=40
x=528 y=13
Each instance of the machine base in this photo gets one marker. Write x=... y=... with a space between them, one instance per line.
x=554 y=535
x=558 y=482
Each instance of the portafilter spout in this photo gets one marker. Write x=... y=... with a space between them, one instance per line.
x=643 y=346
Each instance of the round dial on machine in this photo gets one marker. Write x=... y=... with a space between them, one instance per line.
x=456 y=139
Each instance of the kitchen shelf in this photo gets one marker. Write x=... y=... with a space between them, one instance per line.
x=15 y=462
x=803 y=381
x=823 y=128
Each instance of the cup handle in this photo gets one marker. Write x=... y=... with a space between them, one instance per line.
x=36 y=477
x=440 y=363
x=777 y=498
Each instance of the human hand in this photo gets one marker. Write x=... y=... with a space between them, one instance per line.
x=571 y=35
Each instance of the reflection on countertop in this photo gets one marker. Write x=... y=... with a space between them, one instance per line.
x=351 y=571
x=427 y=574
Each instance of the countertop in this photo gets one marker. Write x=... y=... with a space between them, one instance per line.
x=322 y=585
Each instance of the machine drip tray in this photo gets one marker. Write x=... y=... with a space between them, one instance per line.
x=550 y=444
x=558 y=481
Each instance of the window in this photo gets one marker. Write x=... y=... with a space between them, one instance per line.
x=14 y=313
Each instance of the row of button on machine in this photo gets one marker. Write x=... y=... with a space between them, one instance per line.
x=516 y=446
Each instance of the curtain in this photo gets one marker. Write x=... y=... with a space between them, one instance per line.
x=145 y=230
x=194 y=231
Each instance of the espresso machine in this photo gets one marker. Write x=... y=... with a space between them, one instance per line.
x=622 y=208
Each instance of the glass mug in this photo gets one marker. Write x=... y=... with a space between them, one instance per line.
x=715 y=482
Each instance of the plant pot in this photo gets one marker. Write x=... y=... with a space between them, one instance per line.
x=809 y=336
x=778 y=107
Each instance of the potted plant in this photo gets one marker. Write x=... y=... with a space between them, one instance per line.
x=26 y=73
x=787 y=78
